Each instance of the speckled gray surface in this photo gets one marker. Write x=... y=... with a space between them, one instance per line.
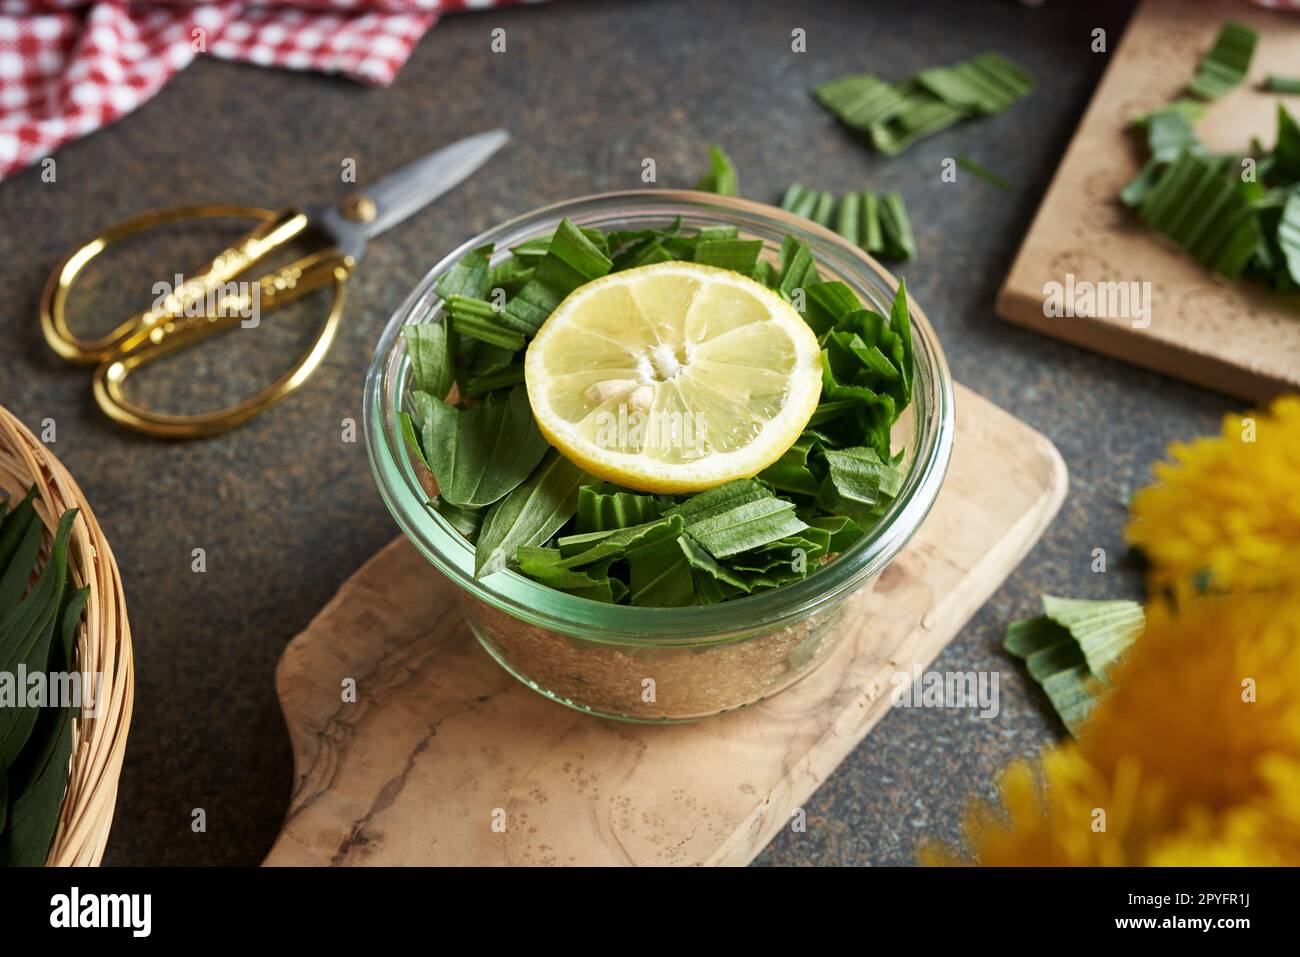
x=286 y=510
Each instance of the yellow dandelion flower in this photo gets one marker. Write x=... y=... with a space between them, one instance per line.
x=1225 y=514
x=1193 y=757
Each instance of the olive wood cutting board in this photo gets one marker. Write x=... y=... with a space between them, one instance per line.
x=441 y=742
x=1234 y=336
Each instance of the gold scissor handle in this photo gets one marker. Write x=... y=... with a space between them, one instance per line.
x=276 y=229
x=169 y=326
x=294 y=280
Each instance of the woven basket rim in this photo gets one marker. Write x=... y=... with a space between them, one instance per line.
x=103 y=646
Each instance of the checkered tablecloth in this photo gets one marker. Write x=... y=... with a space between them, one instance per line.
x=68 y=67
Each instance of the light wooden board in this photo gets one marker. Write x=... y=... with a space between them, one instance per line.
x=440 y=737
x=1233 y=336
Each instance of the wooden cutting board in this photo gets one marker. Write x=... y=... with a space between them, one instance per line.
x=441 y=741
x=1232 y=336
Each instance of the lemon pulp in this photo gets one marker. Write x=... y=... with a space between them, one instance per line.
x=673 y=377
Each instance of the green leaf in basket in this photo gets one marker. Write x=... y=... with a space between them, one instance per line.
x=1227 y=63
x=26 y=635
x=533 y=512
x=20 y=542
x=722 y=177
x=38 y=779
x=479 y=454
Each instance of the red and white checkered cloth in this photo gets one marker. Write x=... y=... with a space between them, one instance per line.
x=68 y=67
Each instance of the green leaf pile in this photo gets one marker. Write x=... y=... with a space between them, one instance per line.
x=1236 y=214
x=876 y=224
x=37 y=627
x=1069 y=648
x=524 y=506
x=894 y=116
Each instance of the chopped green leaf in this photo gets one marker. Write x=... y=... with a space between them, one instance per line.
x=984 y=173
x=738 y=255
x=1227 y=63
x=897 y=227
x=722 y=177
x=469 y=277
x=1070 y=648
x=478 y=319
x=532 y=512
x=1275 y=83
x=604 y=508
x=481 y=453
x=989 y=83
x=571 y=260
x=659 y=571
x=860 y=101
x=745 y=526
x=432 y=351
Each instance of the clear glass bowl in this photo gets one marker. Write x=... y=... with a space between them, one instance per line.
x=664 y=664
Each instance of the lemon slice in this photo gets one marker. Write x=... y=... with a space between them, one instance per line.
x=673 y=377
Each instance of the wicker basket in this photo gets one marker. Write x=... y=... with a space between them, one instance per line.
x=103 y=646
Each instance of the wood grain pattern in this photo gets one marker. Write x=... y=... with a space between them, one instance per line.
x=1233 y=336
x=440 y=737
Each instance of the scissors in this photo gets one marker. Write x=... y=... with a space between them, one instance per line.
x=185 y=315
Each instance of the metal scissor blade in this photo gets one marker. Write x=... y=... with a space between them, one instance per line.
x=413 y=187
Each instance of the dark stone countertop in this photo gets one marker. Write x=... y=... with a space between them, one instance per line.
x=286 y=510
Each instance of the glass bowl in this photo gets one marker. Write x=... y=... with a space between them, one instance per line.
x=664 y=664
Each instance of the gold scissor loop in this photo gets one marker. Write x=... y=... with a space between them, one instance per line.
x=173 y=324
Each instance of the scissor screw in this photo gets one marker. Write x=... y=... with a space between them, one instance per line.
x=360 y=209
